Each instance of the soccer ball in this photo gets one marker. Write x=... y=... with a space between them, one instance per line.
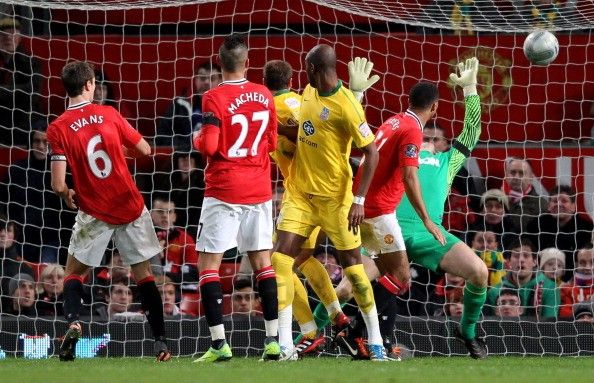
x=541 y=47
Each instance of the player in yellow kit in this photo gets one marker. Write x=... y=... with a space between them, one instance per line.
x=330 y=119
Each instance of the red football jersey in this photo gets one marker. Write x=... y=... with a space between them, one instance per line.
x=398 y=141
x=90 y=138
x=244 y=116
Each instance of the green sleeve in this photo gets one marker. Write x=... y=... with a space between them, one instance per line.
x=550 y=300
x=468 y=138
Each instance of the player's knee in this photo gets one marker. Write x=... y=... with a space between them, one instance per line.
x=480 y=275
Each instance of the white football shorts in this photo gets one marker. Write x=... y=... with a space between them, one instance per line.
x=136 y=241
x=380 y=235
x=224 y=225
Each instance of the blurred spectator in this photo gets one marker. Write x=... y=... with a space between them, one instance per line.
x=486 y=245
x=483 y=241
x=11 y=263
x=544 y=13
x=539 y=295
x=509 y=304
x=561 y=227
x=580 y=288
x=185 y=187
x=104 y=94
x=50 y=288
x=493 y=217
x=19 y=85
x=184 y=116
x=524 y=202
x=447 y=295
x=33 y=204
x=245 y=300
x=169 y=294
x=327 y=256
x=179 y=255
x=551 y=262
x=583 y=312
x=462 y=17
x=119 y=300
x=22 y=293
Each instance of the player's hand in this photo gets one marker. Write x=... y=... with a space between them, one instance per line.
x=434 y=230
x=359 y=80
x=70 y=199
x=467 y=77
x=356 y=216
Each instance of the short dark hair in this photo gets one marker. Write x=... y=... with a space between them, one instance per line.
x=563 y=189
x=75 y=75
x=163 y=197
x=518 y=242
x=233 y=53
x=508 y=291
x=209 y=66
x=277 y=74
x=422 y=95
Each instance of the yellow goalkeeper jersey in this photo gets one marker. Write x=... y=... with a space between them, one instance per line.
x=328 y=124
x=287 y=105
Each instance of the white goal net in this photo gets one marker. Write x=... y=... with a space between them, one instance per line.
x=152 y=57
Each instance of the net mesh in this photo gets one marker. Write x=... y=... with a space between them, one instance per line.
x=147 y=53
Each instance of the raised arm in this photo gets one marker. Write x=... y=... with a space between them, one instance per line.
x=468 y=138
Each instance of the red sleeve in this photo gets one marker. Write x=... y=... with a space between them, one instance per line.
x=56 y=150
x=410 y=145
x=207 y=141
x=273 y=128
x=566 y=306
x=129 y=136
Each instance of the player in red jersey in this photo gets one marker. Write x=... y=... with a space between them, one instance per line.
x=398 y=141
x=90 y=139
x=238 y=131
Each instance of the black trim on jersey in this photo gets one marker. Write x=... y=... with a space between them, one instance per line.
x=211 y=119
x=461 y=148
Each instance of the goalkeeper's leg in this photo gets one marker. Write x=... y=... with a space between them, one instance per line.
x=461 y=260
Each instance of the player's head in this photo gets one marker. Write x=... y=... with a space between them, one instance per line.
x=207 y=75
x=233 y=54
x=423 y=100
x=78 y=78
x=277 y=75
x=433 y=133
x=518 y=174
x=319 y=63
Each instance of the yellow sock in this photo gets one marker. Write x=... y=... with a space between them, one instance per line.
x=318 y=278
x=362 y=290
x=283 y=267
x=302 y=311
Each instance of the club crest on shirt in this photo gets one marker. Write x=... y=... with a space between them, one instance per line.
x=325 y=114
x=411 y=151
x=308 y=128
x=389 y=239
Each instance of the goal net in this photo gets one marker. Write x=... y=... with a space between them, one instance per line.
x=147 y=55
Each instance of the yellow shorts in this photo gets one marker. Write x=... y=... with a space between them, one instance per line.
x=310 y=242
x=301 y=213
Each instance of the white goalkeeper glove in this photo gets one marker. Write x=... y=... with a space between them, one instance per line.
x=467 y=78
x=359 y=80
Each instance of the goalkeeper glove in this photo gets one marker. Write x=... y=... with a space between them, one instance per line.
x=359 y=80
x=467 y=78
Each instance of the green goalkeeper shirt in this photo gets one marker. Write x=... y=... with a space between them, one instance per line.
x=437 y=171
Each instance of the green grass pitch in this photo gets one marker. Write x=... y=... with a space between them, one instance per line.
x=342 y=370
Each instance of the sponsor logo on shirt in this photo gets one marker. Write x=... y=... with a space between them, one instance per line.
x=325 y=114
x=292 y=103
x=411 y=151
x=364 y=130
x=389 y=239
x=432 y=161
x=308 y=128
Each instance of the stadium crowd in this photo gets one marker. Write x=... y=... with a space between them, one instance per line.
x=537 y=247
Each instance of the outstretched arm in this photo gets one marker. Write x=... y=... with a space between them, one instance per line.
x=468 y=138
